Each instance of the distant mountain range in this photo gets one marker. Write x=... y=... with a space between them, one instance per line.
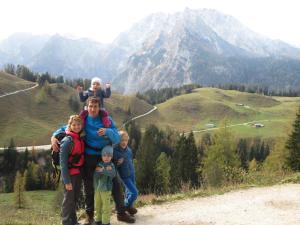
x=163 y=50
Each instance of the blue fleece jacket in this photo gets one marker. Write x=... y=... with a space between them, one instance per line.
x=94 y=142
x=65 y=151
x=100 y=94
x=126 y=169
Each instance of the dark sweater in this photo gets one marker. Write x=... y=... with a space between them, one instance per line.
x=100 y=94
x=126 y=169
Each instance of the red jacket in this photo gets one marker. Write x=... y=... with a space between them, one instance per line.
x=77 y=152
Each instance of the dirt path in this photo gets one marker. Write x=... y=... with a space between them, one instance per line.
x=18 y=91
x=277 y=205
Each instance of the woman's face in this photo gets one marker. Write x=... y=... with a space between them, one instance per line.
x=76 y=127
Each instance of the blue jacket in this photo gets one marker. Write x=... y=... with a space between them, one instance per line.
x=126 y=169
x=100 y=94
x=92 y=139
x=103 y=180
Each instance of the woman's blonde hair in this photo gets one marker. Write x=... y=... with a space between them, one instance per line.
x=74 y=118
x=123 y=134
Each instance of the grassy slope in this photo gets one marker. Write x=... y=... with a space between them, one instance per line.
x=39 y=209
x=30 y=123
x=10 y=83
x=206 y=105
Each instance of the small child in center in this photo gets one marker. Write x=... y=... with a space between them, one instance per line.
x=123 y=158
x=104 y=173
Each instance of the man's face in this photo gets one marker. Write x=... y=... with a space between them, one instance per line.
x=93 y=109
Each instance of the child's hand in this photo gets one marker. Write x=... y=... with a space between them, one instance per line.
x=107 y=85
x=79 y=88
x=69 y=187
x=109 y=168
x=99 y=169
x=120 y=161
x=102 y=131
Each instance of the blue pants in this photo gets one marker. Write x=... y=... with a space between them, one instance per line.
x=131 y=192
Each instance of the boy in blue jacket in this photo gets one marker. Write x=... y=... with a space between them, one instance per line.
x=123 y=158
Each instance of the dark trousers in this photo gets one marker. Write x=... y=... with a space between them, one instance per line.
x=88 y=182
x=69 y=204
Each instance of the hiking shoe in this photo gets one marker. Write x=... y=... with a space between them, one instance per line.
x=98 y=223
x=131 y=210
x=89 y=219
x=124 y=217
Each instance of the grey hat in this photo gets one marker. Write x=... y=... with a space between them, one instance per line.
x=107 y=150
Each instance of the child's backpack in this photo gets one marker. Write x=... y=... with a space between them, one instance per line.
x=55 y=158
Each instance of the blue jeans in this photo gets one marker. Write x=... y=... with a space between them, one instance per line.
x=131 y=192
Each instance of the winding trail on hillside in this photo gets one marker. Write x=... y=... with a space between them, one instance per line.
x=16 y=92
x=46 y=147
x=276 y=205
x=137 y=117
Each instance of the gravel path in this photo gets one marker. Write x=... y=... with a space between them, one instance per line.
x=277 y=205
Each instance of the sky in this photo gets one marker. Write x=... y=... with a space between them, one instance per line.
x=103 y=20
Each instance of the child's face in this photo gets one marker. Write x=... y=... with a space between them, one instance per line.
x=124 y=142
x=76 y=126
x=106 y=158
x=95 y=86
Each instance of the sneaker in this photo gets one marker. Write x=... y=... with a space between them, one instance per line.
x=89 y=219
x=124 y=217
x=98 y=223
x=131 y=210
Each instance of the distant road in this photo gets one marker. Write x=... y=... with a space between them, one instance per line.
x=233 y=125
x=16 y=92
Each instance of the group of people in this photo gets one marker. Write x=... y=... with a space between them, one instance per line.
x=94 y=151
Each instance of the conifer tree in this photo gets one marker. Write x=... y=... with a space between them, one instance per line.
x=19 y=191
x=146 y=158
x=276 y=161
x=176 y=163
x=31 y=177
x=135 y=135
x=190 y=161
x=162 y=174
x=243 y=153
x=293 y=145
x=221 y=160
